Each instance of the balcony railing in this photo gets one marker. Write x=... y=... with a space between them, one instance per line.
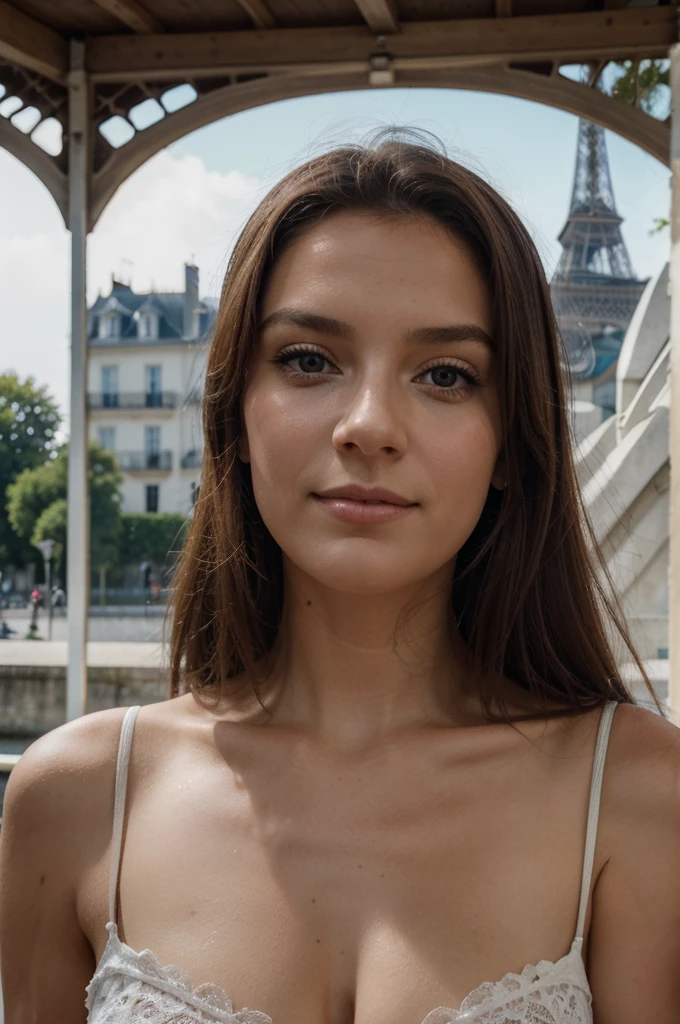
x=192 y=460
x=145 y=461
x=131 y=399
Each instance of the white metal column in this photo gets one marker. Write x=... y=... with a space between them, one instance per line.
x=78 y=505
x=674 y=525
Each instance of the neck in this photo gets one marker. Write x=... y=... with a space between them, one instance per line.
x=353 y=669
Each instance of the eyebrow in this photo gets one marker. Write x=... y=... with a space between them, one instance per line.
x=340 y=329
x=452 y=332
x=312 y=321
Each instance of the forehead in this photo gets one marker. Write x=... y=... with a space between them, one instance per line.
x=368 y=262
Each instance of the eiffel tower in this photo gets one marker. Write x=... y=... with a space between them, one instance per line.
x=594 y=289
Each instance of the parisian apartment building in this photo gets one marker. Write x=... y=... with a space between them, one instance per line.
x=147 y=355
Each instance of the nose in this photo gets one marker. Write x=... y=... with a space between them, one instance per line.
x=371 y=421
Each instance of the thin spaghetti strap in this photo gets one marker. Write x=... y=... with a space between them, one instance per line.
x=124 y=746
x=594 y=810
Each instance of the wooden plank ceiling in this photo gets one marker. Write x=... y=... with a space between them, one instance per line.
x=133 y=37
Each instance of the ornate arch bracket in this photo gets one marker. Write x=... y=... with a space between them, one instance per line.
x=37 y=160
x=221 y=95
x=540 y=83
x=46 y=100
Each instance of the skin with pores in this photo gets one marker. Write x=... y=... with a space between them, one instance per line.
x=379 y=408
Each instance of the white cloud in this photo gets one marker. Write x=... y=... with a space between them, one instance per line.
x=170 y=211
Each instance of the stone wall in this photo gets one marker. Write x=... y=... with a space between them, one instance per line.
x=33 y=699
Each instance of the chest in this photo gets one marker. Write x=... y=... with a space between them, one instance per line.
x=351 y=893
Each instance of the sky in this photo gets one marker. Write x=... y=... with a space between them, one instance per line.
x=190 y=201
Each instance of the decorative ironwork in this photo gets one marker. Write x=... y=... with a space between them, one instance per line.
x=140 y=461
x=192 y=460
x=131 y=400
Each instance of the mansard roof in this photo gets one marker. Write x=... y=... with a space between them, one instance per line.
x=150 y=305
x=114 y=305
x=168 y=306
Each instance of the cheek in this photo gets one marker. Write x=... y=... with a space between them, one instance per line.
x=459 y=461
x=282 y=436
x=464 y=450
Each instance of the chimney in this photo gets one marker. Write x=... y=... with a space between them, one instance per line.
x=190 y=301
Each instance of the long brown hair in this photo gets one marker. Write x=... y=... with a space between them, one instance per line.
x=527 y=594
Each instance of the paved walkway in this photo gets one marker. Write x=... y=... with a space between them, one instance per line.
x=100 y=653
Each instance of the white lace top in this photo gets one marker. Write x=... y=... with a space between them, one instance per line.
x=134 y=988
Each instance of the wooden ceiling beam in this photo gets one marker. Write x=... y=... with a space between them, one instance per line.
x=380 y=15
x=131 y=14
x=29 y=43
x=636 y=31
x=258 y=12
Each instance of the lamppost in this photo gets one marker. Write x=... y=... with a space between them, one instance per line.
x=47 y=547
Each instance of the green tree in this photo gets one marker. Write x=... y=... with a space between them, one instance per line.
x=37 y=505
x=644 y=84
x=659 y=224
x=29 y=420
x=152 y=536
x=640 y=84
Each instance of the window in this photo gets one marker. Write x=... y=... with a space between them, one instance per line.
x=107 y=438
x=109 y=326
x=152 y=447
x=148 y=326
x=194 y=492
x=152 y=497
x=109 y=387
x=153 y=386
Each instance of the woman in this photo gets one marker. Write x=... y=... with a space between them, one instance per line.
x=393 y=680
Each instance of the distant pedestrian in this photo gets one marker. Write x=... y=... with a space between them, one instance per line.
x=59 y=599
x=33 y=625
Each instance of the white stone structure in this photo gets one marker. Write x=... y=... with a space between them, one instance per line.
x=146 y=361
x=624 y=469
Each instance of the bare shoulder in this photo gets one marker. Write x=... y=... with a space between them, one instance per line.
x=62 y=779
x=67 y=760
x=635 y=935
x=63 y=784
x=643 y=754
x=642 y=771
x=56 y=823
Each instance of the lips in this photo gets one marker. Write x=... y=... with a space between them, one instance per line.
x=363 y=511
x=366 y=495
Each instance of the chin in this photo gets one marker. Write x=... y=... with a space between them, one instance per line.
x=361 y=571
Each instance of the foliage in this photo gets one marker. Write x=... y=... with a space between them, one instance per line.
x=640 y=83
x=153 y=536
x=51 y=523
x=37 y=505
x=659 y=224
x=29 y=420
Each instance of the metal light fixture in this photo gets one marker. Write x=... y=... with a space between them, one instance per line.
x=47 y=547
x=380 y=71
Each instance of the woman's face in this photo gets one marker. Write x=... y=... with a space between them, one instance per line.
x=373 y=366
